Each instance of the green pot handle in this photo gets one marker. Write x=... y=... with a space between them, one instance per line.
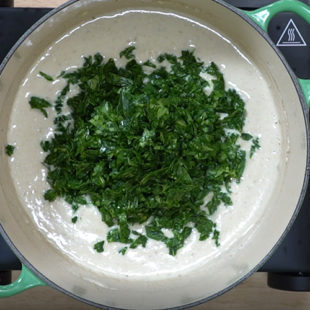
x=25 y=281
x=262 y=17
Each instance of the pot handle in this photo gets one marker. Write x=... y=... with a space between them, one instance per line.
x=305 y=87
x=25 y=281
x=262 y=17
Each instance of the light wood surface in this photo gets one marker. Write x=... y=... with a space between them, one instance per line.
x=252 y=294
x=38 y=3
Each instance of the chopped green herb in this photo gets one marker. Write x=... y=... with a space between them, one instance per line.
x=123 y=250
x=46 y=76
x=113 y=235
x=255 y=146
x=50 y=195
x=177 y=242
x=147 y=147
x=128 y=52
x=40 y=104
x=60 y=99
x=99 y=246
x=148 y=63
x=75 y=206
x=9 y=149
x=141 y=240
x=246 y=136
x=74 y=219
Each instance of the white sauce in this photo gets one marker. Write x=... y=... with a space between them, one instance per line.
x=152 y=34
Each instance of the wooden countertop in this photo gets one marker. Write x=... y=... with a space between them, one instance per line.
x=251 y=294
x=38 y=3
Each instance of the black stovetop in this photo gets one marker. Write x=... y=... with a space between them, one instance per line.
x=293 y=256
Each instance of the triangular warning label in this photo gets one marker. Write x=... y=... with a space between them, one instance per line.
x=291 y=36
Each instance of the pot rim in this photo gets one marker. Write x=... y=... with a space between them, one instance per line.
x=305 y=110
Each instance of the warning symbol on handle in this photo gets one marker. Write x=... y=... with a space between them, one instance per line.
x=291 y=36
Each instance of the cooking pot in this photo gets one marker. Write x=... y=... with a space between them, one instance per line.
x=43 y=265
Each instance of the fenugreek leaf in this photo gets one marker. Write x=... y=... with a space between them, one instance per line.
x=39 y=104
x=9 y=149
x=99 y=246
x=46 y=76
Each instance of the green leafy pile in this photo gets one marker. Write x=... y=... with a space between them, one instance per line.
x=145 y=143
